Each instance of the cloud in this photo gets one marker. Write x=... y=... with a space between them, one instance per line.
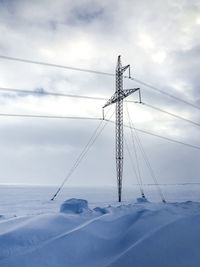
x=160 y=41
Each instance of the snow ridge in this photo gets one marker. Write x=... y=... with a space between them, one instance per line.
x=143 y=234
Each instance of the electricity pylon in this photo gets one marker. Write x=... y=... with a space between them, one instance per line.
x=118 y=98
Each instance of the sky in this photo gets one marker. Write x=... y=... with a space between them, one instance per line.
x=161 y=42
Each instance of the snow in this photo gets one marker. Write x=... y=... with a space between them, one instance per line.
x=77 y=232
x=74 y=205
x=142 y=200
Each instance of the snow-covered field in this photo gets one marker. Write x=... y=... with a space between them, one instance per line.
x=35 y=232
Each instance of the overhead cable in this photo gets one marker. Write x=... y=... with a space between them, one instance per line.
x=163 y=92
x=171 y=114
x=47 y=116
x=161 y=136
x=98 y=72
x=41 y=92
x=38 y=92
x=55 y=65
x=91 y=118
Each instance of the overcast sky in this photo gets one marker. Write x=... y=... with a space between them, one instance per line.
x=159 y=39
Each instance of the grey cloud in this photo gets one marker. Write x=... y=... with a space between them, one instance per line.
x=91 y=34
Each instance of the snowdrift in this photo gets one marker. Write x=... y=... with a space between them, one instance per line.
x=141 y=234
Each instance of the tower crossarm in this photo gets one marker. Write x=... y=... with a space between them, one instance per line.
x=123 y=94
x=123 y=69
x=112 y=100
x=127 y=92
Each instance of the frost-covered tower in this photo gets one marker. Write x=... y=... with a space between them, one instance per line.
x=117 y=98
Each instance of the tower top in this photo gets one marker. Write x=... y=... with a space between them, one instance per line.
x=119 y=64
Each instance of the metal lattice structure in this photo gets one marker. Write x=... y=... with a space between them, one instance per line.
x=118 y=98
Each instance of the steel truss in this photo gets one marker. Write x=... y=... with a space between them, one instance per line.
x=118 y=98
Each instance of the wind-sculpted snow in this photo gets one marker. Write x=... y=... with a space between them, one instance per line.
x=140 y=234
x=73 y=205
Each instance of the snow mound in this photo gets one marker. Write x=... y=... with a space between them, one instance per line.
x=101 y=210
x=142 y=200
x=139 y=235
x=74 y=205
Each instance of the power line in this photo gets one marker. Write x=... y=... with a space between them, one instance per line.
x=98 y=72
x=93 y=118
x=38 y=92
x=93 y=98
x=47 y=116
x=162 y=92
x=162 y=137
x=55 y=65
x=171 y=114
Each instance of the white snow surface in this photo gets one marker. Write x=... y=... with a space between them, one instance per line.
x=99 y=232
